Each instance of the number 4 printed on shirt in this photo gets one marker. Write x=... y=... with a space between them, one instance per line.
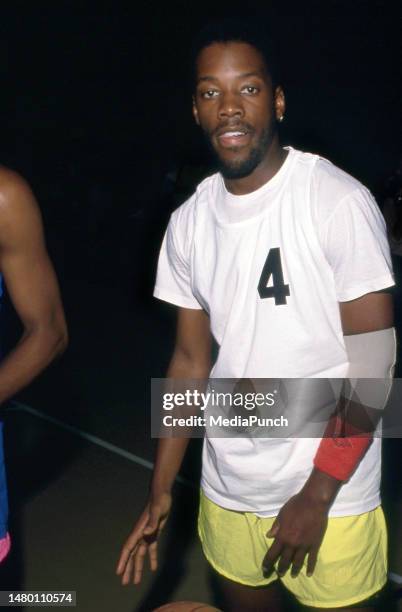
x=278 y=290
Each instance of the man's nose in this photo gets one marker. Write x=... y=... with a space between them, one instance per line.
x=230 y=106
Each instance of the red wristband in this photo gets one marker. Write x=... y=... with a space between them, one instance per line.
x=339 y=456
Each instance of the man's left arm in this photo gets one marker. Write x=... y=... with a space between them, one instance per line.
x=301 y=523
x=31 y=284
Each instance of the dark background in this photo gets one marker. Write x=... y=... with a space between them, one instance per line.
x=97 y=94
x=96 y=114
x=96 y=108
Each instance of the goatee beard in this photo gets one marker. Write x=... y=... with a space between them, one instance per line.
x=243 y=168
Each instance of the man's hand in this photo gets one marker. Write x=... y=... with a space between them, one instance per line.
x=143 y=539
x=300 y=526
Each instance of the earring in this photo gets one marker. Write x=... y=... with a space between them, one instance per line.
x=280 y=119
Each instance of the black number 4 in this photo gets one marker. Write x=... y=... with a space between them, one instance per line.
x=279 y=291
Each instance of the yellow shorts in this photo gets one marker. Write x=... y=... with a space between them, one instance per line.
x=351 y=566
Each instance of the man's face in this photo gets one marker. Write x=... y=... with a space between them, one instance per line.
x=236 y=107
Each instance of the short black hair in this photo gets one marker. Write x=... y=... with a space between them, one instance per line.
x=252 y=31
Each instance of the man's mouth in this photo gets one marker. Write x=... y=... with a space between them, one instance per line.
x=233 y=137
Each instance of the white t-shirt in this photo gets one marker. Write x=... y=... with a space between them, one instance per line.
x=317 y=234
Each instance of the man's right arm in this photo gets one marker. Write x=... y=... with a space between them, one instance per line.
x=191 y=359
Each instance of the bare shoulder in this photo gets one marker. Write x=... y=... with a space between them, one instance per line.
x=18 y=206
x=14 y=190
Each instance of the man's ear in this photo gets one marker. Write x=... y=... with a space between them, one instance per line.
x=195 y=112
x=280 y=103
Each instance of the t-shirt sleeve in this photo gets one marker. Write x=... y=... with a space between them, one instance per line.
x=355 y=244
x=173 y=277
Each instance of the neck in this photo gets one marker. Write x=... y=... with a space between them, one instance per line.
x=268 y=167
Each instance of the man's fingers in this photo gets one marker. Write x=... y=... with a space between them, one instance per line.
x=121 y=564
x=298 y=561
x=274 y=529
x=153 y=555
x=139 y=562
x=311 y=561
x=127 y=550
x=143 y=538
x=132 y=563
x=271 y=557
x=127 y=571
x=285 y=560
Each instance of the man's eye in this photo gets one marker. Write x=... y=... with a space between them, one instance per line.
x=250 y=89
x=211 y=93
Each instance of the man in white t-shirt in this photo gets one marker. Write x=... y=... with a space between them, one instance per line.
x=283 y=259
